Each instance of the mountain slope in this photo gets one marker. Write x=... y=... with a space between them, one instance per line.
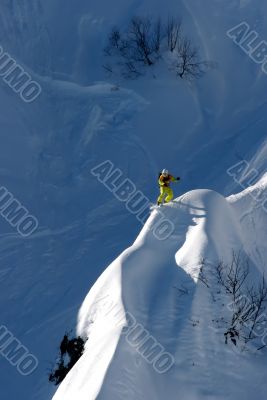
x=159 y=285
x=82 y=118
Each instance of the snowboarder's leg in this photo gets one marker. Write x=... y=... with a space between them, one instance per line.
x=169 y=194
x=162 y=194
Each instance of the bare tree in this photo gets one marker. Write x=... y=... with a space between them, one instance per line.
x=258 y=299
x=182 y=290
x=140 y=40
x=157 y=36
x=114 y=41
x=188 y=64
x=139 y=45
x=249 y=315
x=248 y=304
x=108 y=68
x=130 y=69
x=173 y=32
x=202 y=276
x=233 y=277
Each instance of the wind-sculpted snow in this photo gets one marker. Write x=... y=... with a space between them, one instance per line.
x=83 y=117
x=250 y=207
x=156 y=287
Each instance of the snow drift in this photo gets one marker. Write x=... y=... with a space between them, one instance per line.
x=82 y=118
x=155 y=289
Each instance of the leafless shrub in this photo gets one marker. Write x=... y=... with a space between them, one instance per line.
x=108 y=68
x=233 y=277
x=188 y=64
x=182 y=290
x=138 y=46
x=140 y=41
x=248 y=303
x=141 y=45
x=202 y=276
x=130 y=70
x=173 y=32
x=114 y=40
x=157 y=36
x=258 y=317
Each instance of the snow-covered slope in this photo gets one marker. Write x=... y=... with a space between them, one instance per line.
x=159 y=285
x=251 y=209
x=82 y=118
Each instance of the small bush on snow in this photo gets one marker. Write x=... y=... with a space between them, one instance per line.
x=70 y=352
x=145 y=41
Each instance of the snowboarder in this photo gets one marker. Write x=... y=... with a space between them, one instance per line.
x=164 y=180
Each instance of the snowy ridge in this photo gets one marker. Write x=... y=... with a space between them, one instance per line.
x=143 y=281
x=81 y=119
x=250 y=206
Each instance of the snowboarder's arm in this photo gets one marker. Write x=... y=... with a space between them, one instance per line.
x=175 y=179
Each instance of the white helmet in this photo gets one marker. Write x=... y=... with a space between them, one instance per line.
x=165 y=172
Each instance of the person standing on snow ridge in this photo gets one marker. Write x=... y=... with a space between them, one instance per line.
x=166 y=193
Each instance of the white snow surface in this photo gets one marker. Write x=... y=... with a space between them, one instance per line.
x=144 y=281
x=83 y=118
